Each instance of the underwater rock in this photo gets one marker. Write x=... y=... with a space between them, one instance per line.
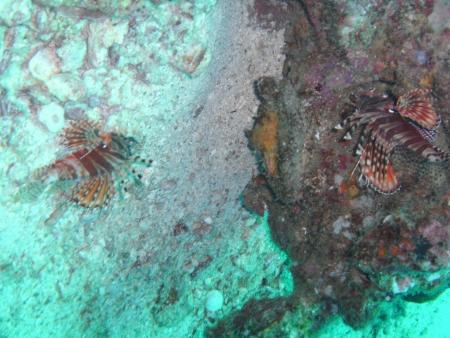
x=350 y=247
x=190 y=60
x=44 y=64
x=72 y=54
x=15 y=12
x=257 y=195
x=91 y=7
x=145 y=77
x=102 y=35
x=66 y=86
x=214 y=301
x=438 y=237
x=52 y=116
x=254 y=317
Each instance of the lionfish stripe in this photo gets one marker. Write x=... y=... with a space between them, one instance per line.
x=67 y=169
x=408 y=136
x=416 y=106
x=411 y=138
x=393 y=130
x=85 y=158
x=98 y=159
x=114 y=156
x=367 y=118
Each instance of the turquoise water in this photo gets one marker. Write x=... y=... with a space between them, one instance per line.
x=407 y=320
x=173 y=252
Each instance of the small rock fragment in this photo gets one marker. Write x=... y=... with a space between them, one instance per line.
x=72 y=54
x=66 y=86
x=190 y=61
x=214 y=301
x=44 y=64
x=15 y=12
x=52 y=116
x=102 y=35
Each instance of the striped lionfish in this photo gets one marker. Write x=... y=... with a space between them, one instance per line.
x=91 y=159
x=387 y=122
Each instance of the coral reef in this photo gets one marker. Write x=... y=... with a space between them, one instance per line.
x=352 y=250
x=180 y=254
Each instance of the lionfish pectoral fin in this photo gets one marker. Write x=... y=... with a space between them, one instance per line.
x=416 y=106
x=94 y=192
x=81 y=134
x=378 y=170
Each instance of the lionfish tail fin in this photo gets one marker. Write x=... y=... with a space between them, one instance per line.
x=40 y=174
x=45 y=174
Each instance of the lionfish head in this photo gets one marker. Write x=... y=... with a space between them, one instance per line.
x=114 y=143
x=367 y=102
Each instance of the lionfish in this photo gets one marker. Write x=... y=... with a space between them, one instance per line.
x=385 y=123
x=92 y=159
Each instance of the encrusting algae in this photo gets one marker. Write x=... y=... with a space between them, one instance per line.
x=264 y=137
